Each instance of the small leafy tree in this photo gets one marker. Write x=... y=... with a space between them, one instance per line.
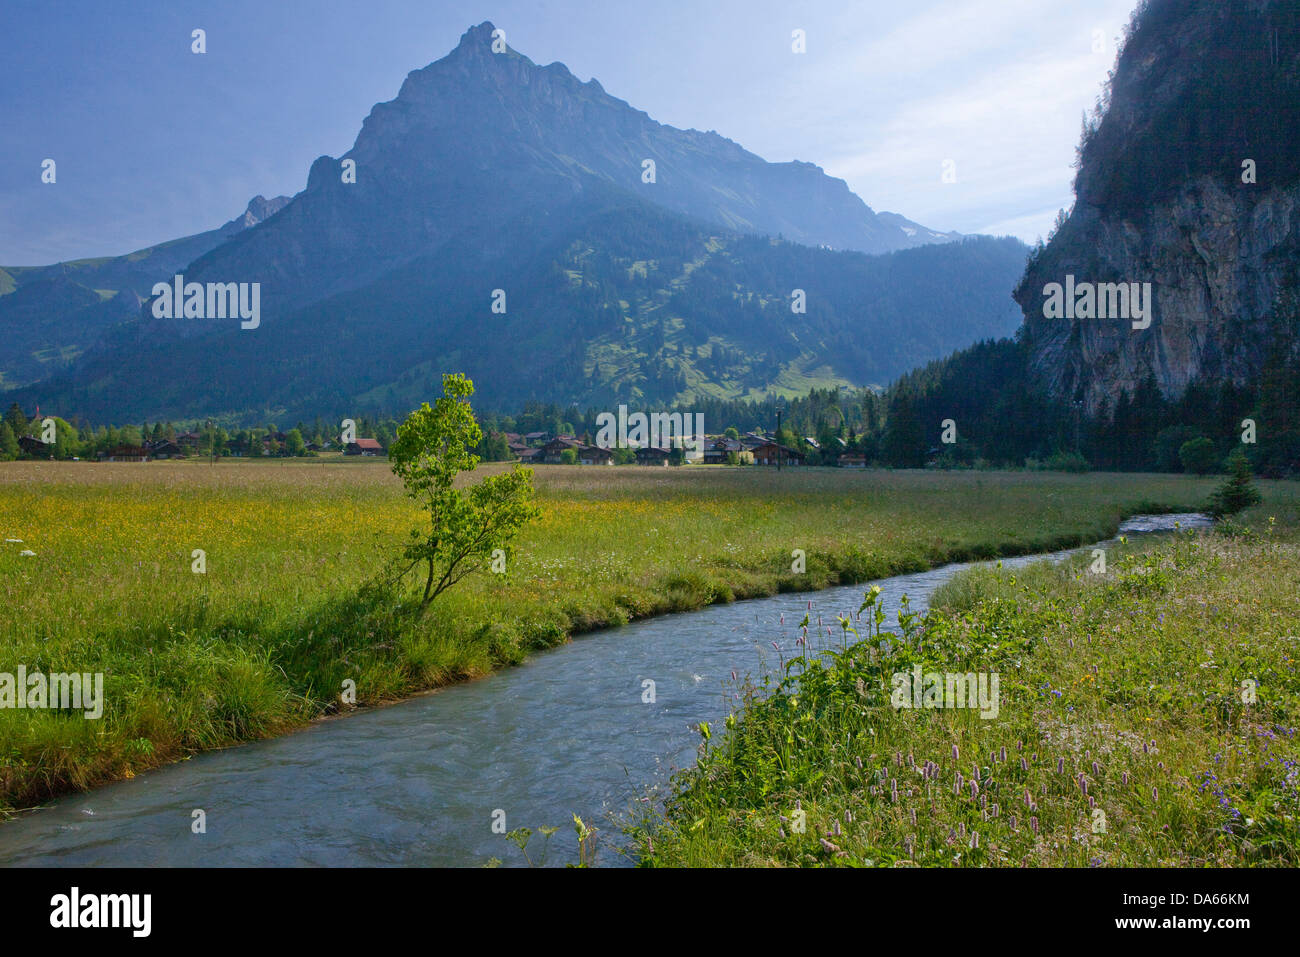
x=8 y=443
x=1238 y=492
x=293 y=443
x=466 y=525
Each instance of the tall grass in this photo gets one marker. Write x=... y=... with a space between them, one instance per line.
x=1127 y=733
x=287 y=612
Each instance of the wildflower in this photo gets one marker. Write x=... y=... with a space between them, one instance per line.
x=1155 y=794
x=1060 y=765
x=1002 y=755
x=1096 y=770
x=955 y=753
x=1024 y=766
x=1124 y=777
x=1033 y=824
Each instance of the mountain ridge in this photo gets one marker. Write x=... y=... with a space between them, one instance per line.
x=488 y=172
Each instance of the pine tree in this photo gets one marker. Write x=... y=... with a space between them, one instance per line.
x=1238 y=492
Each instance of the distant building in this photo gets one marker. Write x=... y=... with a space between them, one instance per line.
x=853 y=461
x=164 y=449
x=717 y=451
x=769 y=453
x=31 y=445
x=553 y=451
x=651 y=456
x=364 y=447
x=595 y=455
x=128 y=453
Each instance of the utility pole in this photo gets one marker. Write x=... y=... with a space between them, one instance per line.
x=778 y=438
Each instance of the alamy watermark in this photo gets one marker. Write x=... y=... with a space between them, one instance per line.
x=934 y=689
x=214 y=300
x=1105 y=300
x=658 y=430
x=74 y=692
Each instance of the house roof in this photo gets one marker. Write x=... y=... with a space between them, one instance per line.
x=368 y=444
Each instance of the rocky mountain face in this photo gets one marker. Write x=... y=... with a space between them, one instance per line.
x=1190 y=181
x=480 y=142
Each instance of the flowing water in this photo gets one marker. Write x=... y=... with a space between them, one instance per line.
x=419 y=783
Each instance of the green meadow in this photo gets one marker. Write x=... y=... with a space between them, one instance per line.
x=1147 y=716
x=291 y=602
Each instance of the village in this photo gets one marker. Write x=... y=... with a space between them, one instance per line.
x=45 y=436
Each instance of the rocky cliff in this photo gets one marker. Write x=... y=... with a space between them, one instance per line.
x=1189 y=179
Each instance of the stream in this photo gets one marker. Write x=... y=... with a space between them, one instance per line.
x=418 y=783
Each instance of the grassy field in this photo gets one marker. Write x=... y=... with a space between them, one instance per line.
x=1127 y=733
x=264 y=640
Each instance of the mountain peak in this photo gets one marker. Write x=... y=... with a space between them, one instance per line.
x=476 y=41
x=479 y=34
x=259 y=208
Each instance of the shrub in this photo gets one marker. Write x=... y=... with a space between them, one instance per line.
x=1198 y=456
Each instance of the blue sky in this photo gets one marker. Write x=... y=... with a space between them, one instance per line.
x=154 y=142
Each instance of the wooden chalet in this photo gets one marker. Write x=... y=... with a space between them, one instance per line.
x=769 y=452
x=652 y=456
x=364 y=447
